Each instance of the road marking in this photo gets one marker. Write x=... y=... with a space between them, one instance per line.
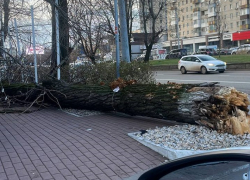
x=204 y=81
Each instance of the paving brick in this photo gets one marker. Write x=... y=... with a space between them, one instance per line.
x=53 y=170
x=59 y=177
x=41 y=169
x=24 y=178
x=3 y=176
x=8 y=164
x=70 y=177
x=10 y=171
x=52 y=146
x=22 y=172
x=65 y=172
x=46 y=175
x=13 y=177
x=91 y=175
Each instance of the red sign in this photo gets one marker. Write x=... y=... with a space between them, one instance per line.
x=241 y=35
x=116 y=30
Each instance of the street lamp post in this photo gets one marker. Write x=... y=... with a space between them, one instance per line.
x=117 y=41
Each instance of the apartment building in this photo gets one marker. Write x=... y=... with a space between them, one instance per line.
x=192 y=23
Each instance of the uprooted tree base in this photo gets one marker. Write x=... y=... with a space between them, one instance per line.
x=221 y=108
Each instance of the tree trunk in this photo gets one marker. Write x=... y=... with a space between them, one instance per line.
x=221 y=108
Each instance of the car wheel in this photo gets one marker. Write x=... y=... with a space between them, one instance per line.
x=248 y=52
x=203 y=70
x=221 y=71
x=183 y=70
x=234 y=53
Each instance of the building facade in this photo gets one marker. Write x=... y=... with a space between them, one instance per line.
x=192 y=23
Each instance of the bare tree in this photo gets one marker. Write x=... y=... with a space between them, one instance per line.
x=150 y=11
x=87 y=23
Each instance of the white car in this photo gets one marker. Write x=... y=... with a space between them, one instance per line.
x=200 y=63
x=244 y=49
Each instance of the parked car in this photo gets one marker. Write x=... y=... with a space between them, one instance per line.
x=200 y=63
x=243 y=49
x=223 y=51
x=176 y=53
x=142 y=57
x=226 y=164
x=208 y=51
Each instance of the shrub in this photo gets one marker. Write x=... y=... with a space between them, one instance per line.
x=106 y=72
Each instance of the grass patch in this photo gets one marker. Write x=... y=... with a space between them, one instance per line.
x=227 y=58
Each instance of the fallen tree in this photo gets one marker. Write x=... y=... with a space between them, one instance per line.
x=221 y=108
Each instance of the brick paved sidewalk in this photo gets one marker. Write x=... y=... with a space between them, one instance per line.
x=51 y=144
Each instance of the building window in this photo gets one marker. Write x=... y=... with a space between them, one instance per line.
x=231 y=25
x=237 y=24
x=186 y=9
x=225 y=16
x=231 y=16
x=183 y=33
x=183 y=18
x=187 y=16
x=187 y=32
x=231 y=7
x=182 y=2
x=191 y=8
x=179 y=3
x=183 y=25
x=225 y=8
x=237 y=5
x=186 y=1
x=191 y=15
x=237 y=14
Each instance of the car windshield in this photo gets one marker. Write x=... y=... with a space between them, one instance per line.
x=206 y=58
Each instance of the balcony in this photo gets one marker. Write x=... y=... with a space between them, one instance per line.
x=245 y=16
x=173 y=23
x=211 y=14
x=173 y=8
x=196 y=34
x=204 y=8
x=198 y=24
x=245 y=27
x=244 y=6
x=197 y=15
x=196 y=9
x=196 y=1
x=212 y=31
x=204 y=24
x=211 y=22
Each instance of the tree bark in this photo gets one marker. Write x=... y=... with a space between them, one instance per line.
x=221 y=108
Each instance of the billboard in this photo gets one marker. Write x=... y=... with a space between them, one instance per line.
x=39 y=50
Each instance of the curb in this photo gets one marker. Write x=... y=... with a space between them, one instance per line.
x=231 y=67
x=173 y=154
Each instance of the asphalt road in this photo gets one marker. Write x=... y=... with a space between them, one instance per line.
x=238 y=79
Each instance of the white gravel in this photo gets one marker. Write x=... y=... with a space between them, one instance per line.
x=191 y=137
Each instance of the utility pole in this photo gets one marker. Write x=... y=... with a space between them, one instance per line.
x=17 y=39
x=124 y=31
x=57 y=41
x=34 y=44
x=177 y=25
x=117 y=41
x=2 y=34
